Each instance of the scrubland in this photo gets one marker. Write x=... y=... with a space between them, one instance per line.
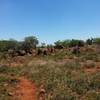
x=60 y=76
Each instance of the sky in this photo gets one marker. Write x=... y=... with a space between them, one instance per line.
x=49 y=20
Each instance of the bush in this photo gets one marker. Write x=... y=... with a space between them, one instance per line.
x=74 y=43
x=96 y=41
x=89 y=41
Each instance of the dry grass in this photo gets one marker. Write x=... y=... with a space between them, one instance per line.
x=62 y=76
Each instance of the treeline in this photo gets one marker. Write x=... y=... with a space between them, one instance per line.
x=75 y=42
x=32 y=42
x=27 y=44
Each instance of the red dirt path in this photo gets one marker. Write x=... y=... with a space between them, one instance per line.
x=26 y=90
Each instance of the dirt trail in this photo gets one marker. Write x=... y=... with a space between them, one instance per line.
x=26 y=90
x=91 y=70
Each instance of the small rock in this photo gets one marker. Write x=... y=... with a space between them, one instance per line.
x=5 y=84
x=10 y=94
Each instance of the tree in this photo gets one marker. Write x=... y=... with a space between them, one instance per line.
x=69 y=43
x=66 y=43
x=43 y=45
x=96 y=41
x=5 y=45
x=29 y=43
x=74 y=43
x=59 y=44
x=89 y=41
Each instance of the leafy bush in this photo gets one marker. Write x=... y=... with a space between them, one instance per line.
x=96 y=41
x=76 y=43
x=89 y=41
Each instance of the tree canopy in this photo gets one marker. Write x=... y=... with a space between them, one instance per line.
x=31 y=42
x=28 y=43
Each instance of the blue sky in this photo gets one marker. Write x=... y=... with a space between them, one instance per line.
x=49 y=20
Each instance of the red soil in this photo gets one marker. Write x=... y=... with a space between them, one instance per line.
x=26 y=90
x=92 y=70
